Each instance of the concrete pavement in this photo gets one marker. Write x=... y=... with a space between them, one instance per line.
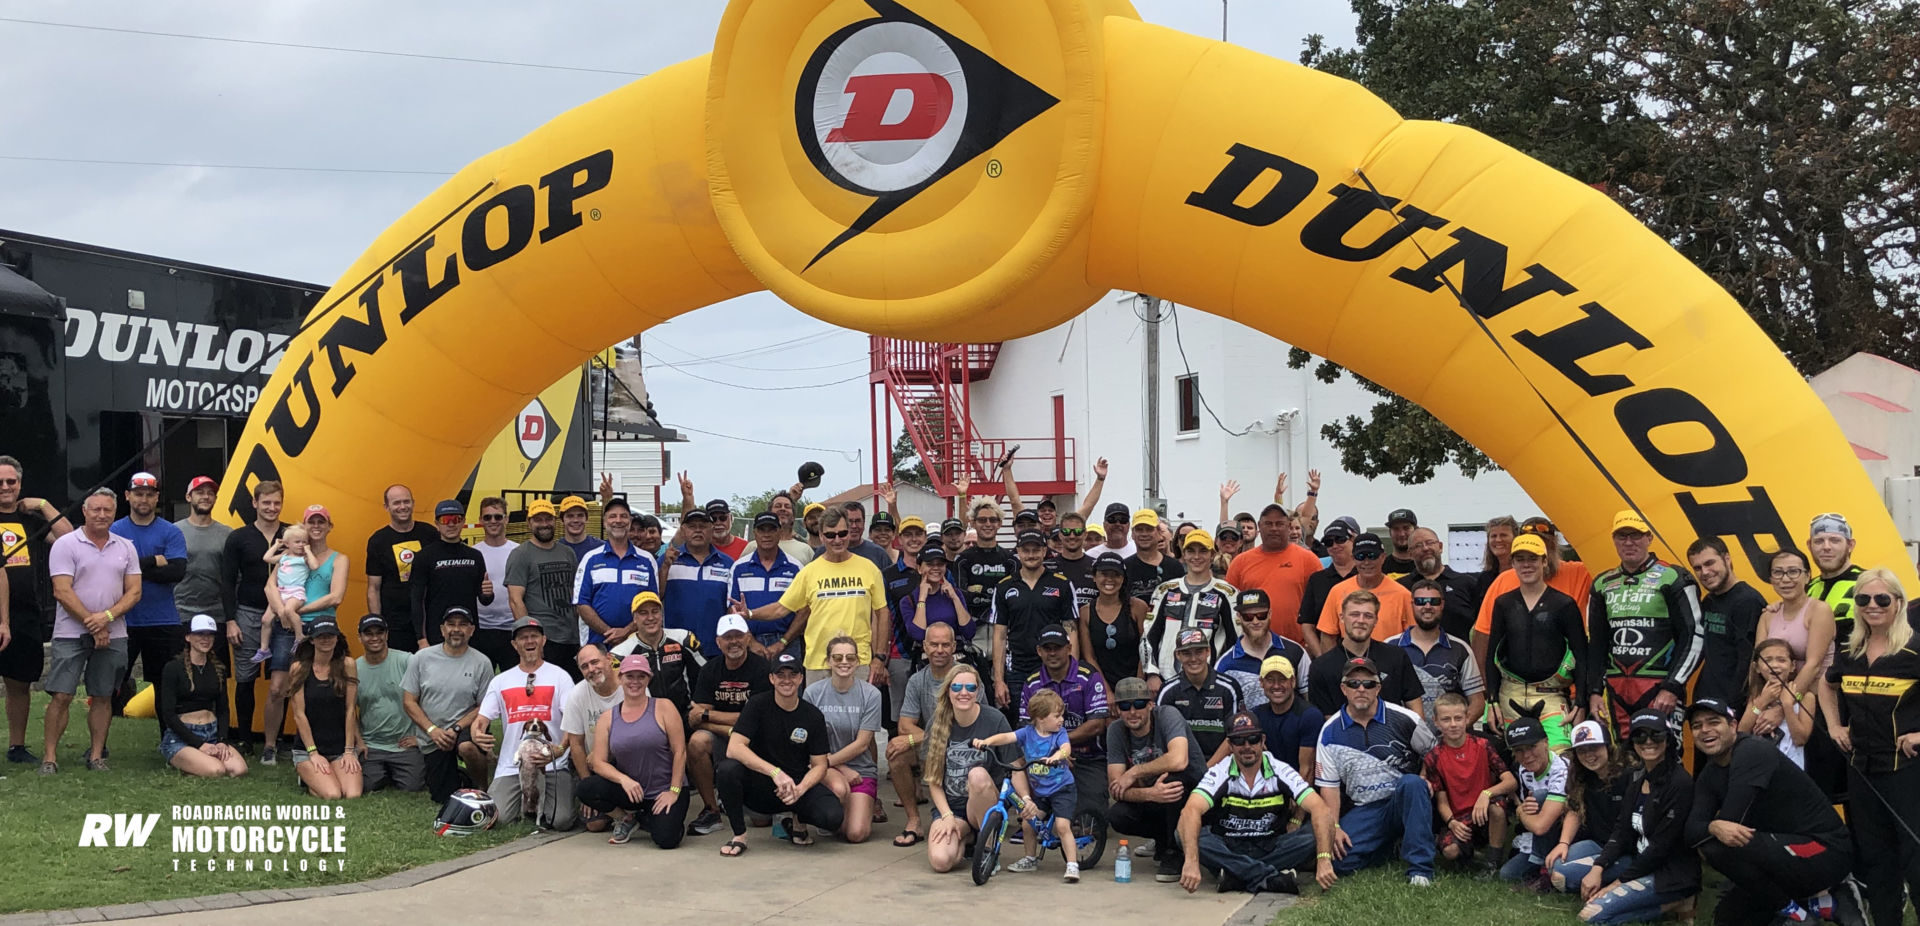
x=830 y=883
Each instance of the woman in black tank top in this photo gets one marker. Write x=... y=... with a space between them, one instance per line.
x=1110 y=627
x=323 y=685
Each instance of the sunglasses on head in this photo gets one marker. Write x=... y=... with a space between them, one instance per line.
x=1361 y=684
x=836 y=535
x=964 y=687
x=1883 y=600
x=1133 y=704
x=1427 y=600
x=1643 y=737
x=1246 y=739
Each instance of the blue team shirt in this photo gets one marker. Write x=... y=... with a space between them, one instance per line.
x=155 y=607
x=607 y=583
x=1045 y=780
x=758 y=584
x=1287 y=733
x=696 y=594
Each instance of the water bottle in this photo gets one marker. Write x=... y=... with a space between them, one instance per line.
x=1122 y=865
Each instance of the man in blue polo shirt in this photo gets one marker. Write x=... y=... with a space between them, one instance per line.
x=761 y=577
x=1370 y=756
x=698 y=575
x=610 y=576
x=1443 y=662
x=1085 y=694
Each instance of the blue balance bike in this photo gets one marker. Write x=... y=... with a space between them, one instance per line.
x=1003 y=818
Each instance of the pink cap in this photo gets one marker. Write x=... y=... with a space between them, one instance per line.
x=199 y=481
x=320 y=510
x=635 y=663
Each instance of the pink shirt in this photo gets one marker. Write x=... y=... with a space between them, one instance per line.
x=99 y=579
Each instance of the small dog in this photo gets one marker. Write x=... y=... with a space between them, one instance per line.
x=535 y=751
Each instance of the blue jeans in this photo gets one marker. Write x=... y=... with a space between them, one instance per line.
x=1407 y=814
x=1253 y=861
x=1580 y=856
x=1632 y=902
x=170 y=745
x=1578 y=860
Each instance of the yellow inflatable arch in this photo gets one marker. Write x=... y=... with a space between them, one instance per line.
x=976 y=170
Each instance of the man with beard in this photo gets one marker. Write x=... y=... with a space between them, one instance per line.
x=449 y=574
x=1358 y=612
x=156 y=632
x=540 y=583
x=1460 y=591
x=1730 y=614
x=1152 y=763
x=1072 y=561
x=608 y=579
x=594 y=694
x=28 y=528
x=1400 y=527
x=1245 y=661
x=198 y=591
x=389 y=744
x=391 y=552
x=1443 y=662
x=243 y=587
x=441 y=692
x=532 y=691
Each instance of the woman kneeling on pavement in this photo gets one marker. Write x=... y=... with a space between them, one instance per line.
x=192 y=706
x=961 y=785
x=851 y=707
x=639 y=763
x=1625 y=886
x=327 y=714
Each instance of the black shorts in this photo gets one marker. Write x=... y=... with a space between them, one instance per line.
x=25 y=657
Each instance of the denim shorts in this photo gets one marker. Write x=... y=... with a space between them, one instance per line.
x=170 y=744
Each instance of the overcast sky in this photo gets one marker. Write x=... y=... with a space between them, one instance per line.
x=86 y=94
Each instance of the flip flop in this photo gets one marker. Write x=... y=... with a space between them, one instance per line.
x=800 y=836
x=738 y=846
x=912 y=839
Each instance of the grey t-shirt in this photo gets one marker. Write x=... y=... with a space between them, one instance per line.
x=847 y=714
x=199 y=591
x=582 y=709
x=923 y=694
x=547 y=576
x=446 y=686
x=962 y=758
x=383 y=713
x=1125 y=749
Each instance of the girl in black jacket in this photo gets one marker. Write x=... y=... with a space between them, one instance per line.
x=1647 y=868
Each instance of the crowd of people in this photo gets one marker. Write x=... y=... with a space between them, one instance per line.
x=1262 y=701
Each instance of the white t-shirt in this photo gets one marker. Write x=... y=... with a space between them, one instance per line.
x=1122 y=552
x=583 y=707
x=508 y=697
x=499 y=615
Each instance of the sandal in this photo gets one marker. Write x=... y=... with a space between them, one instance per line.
x=879 y=815
x=912 y=839
x=799 y=835
x=738 y=847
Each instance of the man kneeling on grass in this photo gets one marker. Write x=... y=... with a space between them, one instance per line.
x=1254 y=805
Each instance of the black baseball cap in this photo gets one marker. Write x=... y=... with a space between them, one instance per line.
x=1358 y=664
x=766 y=519
x=1109 y=562
x=1254 y=599
x=953 y=524
x=323 y=628
x=1118 y=511
x=456 y=613
x=1368 y=543
x=372 y=622
x=719 y=507
x=787 y=662
x=1713 y=706
x=1027 y=537
x=932 y=552
x=881 y=519
x=1053 y=635
x=1649 y=720
x=1027 y=514
x=697 y=514
x=1402 y=514
x=1047 y=503
x=620 y=500
x=1526 y=731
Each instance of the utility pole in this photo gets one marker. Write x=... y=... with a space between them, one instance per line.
x=1151 y=407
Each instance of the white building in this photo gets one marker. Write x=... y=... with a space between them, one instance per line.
x=1085 y=381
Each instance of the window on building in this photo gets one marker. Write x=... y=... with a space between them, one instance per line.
x=1189 y=389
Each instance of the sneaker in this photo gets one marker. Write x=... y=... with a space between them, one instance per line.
x=1849 y=906
x=623 y=830
x=1148 y=848
x=20 y=756
x=1073 y=873
x=1229 y=882
x=705 y=823
x=1419 y=881
x=1030 y=863
x=1016 y=838
x=49 y=767
x=98 y=765
x=1167 y=869
x=269 y=756
x=260 y=656
x=1282 y=882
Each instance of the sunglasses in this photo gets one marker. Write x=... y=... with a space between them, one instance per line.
x=986 y=520
x=1246 y=739
x=1366 y=556
x=1643 y=737
x=9 y=482
x=1253 y=618
x=1072 y=531
x=1427 y=600
x=1133 y=704
x=530 y=680
x=1883 y=600
x=493 y=517
x=964 y=687
x=836 y=535
x=844 y=657
x=452 y=519
x=1361 y=684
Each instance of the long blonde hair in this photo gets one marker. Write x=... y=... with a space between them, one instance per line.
x=936 y=771
x=1899 y=633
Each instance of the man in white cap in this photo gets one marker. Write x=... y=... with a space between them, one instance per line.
x=721 y=690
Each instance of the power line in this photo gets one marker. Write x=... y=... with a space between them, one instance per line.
x=721 y=382
x=320 y=170
x=724 y=359
x=311 y=47
x=1174 y=310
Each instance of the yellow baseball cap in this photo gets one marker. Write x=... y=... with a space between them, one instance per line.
x=1146 y=516
x=571 y=502
x=643 y=598
x=1630 y=520
x=910 y=521
x=1280 y=664
x=539 y=506
x=1199 y=536
x=811 y=508
x=1095 y=530
x=1530 y=543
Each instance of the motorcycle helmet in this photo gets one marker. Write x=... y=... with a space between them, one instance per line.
x=466 y=812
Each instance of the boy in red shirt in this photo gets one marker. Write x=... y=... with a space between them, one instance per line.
x=1471 y=786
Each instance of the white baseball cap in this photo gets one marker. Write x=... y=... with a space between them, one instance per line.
x=1589 y=733
x=729 y=624
x=203 y=623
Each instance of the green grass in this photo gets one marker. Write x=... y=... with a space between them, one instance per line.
x=1380 y=896
x=41 y=822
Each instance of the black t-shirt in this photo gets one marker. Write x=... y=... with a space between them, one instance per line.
x=1395 y=567
x=1761 y=788
x=1461 y=595
x=977 y=571
x=1731 y=619
x=1024 y=610
x=1313 y=599
x=1398 y=682
x=390 y=557
x=789 y=739
x=1878 y=703
x=243 y=566
x=1078 y=572
x=1143 y=577
x=727 y=690
x=445 y=575
x=24 y=545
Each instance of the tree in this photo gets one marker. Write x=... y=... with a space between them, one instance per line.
x=750 y=505
x=1772 y=143
x=907 y=465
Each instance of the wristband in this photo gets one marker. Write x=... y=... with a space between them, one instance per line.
x=1324 y=857
x=109 y=613
x=675 y=790
x=431 y=729
x=1312 y=494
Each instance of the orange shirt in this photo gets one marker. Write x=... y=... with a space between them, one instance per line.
x=1396 y=608
x=1283 y=576
x=1572 y=579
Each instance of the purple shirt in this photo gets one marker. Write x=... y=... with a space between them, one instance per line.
x=1085 y=694
x=99 y=579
